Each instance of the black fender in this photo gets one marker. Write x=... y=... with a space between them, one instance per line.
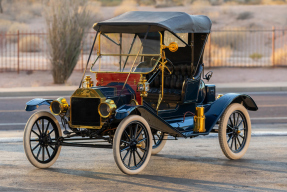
x=35 y=103
x=214 y=111
x=150 y=116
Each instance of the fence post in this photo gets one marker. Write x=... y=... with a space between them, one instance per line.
x=209 y=54
x=273 y=46
x=18 y=55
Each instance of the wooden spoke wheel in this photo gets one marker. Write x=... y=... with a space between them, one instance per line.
x=41 y=133
x=234 y=131
x=132 y=145
x=159 y=140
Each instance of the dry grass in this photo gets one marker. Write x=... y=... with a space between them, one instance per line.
x=30 y=44
x=280 y=56
x=126 y=6
x=219 y=55
x=256 y=56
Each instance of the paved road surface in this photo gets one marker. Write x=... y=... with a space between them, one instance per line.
x=184 y=165
x=272 y=110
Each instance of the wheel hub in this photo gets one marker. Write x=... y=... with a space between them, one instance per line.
x=133 y=144
x=44 y=139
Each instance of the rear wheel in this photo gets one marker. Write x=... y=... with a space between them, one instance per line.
x=132 y=145
x=41 y=133
x=159 y=140
x=234 y=131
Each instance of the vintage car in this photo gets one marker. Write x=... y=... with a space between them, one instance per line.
x=149 y=88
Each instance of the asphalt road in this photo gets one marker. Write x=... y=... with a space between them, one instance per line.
x=183 y=165
x=272 y=111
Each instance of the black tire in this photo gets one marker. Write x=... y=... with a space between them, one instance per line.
x=132 y=133
x=40 y=134
x=234 y=131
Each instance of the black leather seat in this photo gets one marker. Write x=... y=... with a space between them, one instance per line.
x=172 y=84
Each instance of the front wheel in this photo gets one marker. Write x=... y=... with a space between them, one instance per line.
x=40 y=135
x=234 y=131
x=132 y=145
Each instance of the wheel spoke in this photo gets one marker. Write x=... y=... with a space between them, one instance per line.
x=127 y=135
x=231 y=143
x=231 y=122
x=43 y=126
x=142 y=140
x=237 y=119
x=238 y=141
x=235 y=144
x=154 y=139
x=36 y=146
x=47 y=127
x=241 y=136
x=136 y=131
x=43 y=153
x=130 y=131
x=35 y=133
x=48 y=152
x=38 y=127
x=130 y=160
x=50 y=132
x=126 y=154
x=125 y=142
x=125 y=148
x=52 y=147
x=240 y=123
x=139 y=134
x=229 y=133
x=139 y=155
x=39 y=152
x=234 y=120
x=135 y=161
x=229 y=139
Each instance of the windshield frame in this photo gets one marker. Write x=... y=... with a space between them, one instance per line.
x=137 y=55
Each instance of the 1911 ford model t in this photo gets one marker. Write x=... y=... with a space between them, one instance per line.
x=148 y=86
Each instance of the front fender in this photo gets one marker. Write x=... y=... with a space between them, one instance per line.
x=150 y=116
x=216 y=109
x=35 y=103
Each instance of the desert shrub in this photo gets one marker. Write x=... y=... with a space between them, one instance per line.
x=244 y=15
x=280 y=56
x=228 y=37
x=256 y=56
x=126 y=6
x=219 y=55
x=67 y=21
x=14 y=28
x=198 y=6
x=30 y=44
x=273 y=2
x=4 y=25
x=107 y=3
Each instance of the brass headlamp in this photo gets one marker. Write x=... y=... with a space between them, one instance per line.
x=59 y=106
x=107 y=108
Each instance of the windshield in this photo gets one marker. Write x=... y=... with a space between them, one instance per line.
x=125 y=52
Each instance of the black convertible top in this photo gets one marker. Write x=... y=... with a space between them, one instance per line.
x=138 y=22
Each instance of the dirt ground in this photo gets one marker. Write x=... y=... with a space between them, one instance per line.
x=220 y=75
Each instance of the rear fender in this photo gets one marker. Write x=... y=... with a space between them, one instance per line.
x=150 y=116
x=35 y=103
x=214 y=111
